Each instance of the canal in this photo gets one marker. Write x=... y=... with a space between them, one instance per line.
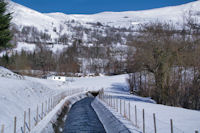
x=83 y=119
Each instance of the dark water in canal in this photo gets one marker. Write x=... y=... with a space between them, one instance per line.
x=83 y=119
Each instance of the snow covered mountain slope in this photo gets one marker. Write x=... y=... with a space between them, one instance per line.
x=174 y=14
x=23 y=16
x=32 y=27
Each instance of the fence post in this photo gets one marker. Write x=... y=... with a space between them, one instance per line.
x=116 y=104
x=135 y=115
x=171 y=122
x=24 y=121
x=110 y=100
x=15 y=124
x=52 y=103
x=46 y=102
x=154 y=120
x=37 y=115
x=42 y=111
x=143 y=121
x=2 y=129
x=120 y=106
x=29 y=119
x=49 y=105
x=129 y=109
x=124 y=108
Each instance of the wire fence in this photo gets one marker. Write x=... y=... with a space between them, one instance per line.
x=144 y=121
x=30 y=118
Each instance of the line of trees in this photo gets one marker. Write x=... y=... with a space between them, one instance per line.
x=76 y=58
x=166 y=64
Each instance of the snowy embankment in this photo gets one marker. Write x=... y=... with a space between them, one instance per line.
x=113 y=122
x=184 y=120
x=18 y=94
x=45 y=126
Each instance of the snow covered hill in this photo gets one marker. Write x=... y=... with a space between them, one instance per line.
x=127 y=19
x=26 y=16
x=59 y=25
x=23 y=16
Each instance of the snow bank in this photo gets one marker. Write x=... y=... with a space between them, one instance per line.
x=45 y=126
x=18 y=94
x=112 y=122
x=8 y=74
x=184 y=120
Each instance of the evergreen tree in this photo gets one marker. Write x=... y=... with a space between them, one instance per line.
x=5 y=34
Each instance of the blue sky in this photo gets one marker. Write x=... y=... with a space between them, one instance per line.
x=95 y=6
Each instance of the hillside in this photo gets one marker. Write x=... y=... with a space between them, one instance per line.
x=57 y=26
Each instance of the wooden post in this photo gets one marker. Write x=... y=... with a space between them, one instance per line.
x=15 y=124
x=114 y=102
x=143 y=121
x=46 y=102
x=24 y=121
x=120 y=106
x=124 y=108
x=37 y=116
x=2 y=129
x=154 y=120
x=29 y=119
x=129 y=109
x=117 y=104
x=49 y=105
x=108 y=99
x=171 y=122
x=42 y=111
x=111 y=101
x=52 y=103
x=135 y=115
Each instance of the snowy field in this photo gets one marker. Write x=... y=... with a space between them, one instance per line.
x=184 y=120
x=18 y=93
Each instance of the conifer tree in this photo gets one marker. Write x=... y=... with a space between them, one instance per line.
x=5 y=34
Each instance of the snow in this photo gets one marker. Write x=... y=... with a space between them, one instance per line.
x=184 y=120
x=52 y=116
x=48 y=22
x=97 y=83
x=56 y=48
x=113 y=122
x=25 y=46
x=9 y=74
x=30 y=47
x=23 y=16
x=129 y=18
x=18 y=93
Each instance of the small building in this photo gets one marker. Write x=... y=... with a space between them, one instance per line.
x=58 y=78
